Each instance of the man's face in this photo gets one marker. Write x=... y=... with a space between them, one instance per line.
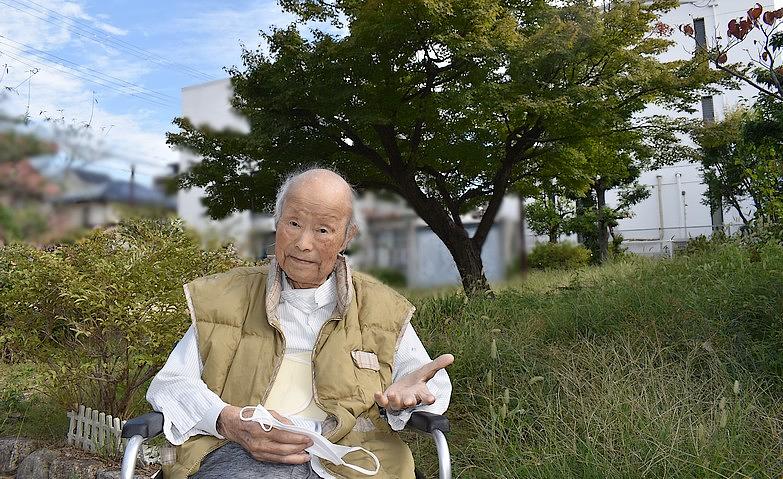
x=311 y=233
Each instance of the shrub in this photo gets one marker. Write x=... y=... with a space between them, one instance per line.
x=389 y=276
x=103 y=313
x=559 y=256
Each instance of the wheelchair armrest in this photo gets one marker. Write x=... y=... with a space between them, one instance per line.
x=428 y=422
x=147 y=426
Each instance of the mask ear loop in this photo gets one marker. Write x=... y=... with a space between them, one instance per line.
x=362 y=470
x=266 y=427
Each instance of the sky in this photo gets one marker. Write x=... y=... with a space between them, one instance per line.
x=105 y=76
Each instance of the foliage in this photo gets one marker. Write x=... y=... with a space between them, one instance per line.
x=389 y=276
x=15 y=146
x=550 y=216
x=103 y=312
x=21 y=223
x=564 y=255
x=449 y=103
x=741 y=159
x=640 y=368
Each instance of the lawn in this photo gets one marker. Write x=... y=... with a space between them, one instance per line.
x=636 y=369
x=641 y=368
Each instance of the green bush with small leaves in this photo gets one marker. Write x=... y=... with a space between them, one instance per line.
x=559 y=256
x=102 y=314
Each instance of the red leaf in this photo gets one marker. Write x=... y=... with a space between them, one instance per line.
x=764 y=56
x=687 y=29
x=734 y=30
x=779 y=13
x=722 y=58
x=769 y=18
x=755 y=13
x=744 y=27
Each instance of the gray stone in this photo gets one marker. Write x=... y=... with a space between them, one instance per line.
x=36 y=464
x=13 y=451
x=73 y=468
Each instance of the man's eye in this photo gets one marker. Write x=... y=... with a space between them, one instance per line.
x=323 y=231
x=293 y=223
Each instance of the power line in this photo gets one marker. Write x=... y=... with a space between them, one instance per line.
x=91 y=33
x=103 y=76
x=84 y=78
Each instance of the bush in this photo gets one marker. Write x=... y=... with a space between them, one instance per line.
x=103 y=313
x=559 y=256
x=389 y=276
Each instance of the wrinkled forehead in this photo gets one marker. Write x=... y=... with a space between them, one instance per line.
x=324 y=206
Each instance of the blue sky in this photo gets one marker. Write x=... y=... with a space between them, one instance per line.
x=119 y=67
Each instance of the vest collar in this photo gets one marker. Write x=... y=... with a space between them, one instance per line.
x=343 y=286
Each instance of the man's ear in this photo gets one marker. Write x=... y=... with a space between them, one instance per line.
x=350 y=234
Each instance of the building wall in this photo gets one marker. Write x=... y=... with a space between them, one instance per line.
x=209 y=104
x=680 y=206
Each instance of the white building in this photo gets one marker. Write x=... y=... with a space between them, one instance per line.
x=674 y=211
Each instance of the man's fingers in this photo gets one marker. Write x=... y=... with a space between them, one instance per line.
x=280 y=448
x=442 y=361
x=286 y=437
x=280 y=417
x=381 y=400
x=300 y=458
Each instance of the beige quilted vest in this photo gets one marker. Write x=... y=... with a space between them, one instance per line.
x=241 y=346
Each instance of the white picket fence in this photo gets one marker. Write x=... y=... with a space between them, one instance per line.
x=95 y=431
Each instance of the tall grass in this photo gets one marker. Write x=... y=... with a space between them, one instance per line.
x=669 y=369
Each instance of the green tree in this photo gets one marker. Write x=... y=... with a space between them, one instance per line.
x=741 y=158
x=449 y=103
x=550 y=214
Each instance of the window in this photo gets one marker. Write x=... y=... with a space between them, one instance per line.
x=700 y=34
x=707 y=109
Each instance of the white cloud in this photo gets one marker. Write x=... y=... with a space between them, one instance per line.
x=60 y=95
x=214 y=36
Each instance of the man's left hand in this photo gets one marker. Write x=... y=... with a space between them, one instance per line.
x=411 y=389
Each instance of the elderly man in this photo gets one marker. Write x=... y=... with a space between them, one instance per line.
x=316 y=345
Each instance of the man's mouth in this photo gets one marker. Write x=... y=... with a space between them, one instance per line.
x=301 y=260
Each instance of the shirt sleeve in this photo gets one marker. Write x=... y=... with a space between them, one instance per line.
x=410 y=356
x=189 y=407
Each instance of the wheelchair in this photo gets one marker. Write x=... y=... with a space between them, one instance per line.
x=147 y=426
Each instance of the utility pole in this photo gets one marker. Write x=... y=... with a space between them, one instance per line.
x=131 y=194
x=523 y=265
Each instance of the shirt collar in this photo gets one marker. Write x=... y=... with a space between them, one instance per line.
x=310 y=299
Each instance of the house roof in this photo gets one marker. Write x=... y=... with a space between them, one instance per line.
x=105 y=189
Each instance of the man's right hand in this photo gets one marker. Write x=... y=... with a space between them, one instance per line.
x=270 y=446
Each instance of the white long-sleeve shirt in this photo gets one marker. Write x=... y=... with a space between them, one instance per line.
x=191 y=408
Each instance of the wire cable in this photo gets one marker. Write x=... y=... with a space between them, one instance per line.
x=4 y=40
x=91 y=34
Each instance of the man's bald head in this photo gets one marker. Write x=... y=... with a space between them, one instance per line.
x=320 y=183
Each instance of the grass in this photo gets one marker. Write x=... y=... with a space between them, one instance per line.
x=638 y=369
x=668 y=369
x=24 y=410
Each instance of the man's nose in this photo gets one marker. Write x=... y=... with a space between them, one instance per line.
x=305 y=241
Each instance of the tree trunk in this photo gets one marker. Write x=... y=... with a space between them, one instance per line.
x=603 y=229
x=471 y=269
x=465 y=251
x=553 y=236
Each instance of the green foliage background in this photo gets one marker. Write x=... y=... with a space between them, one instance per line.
x=102 y=314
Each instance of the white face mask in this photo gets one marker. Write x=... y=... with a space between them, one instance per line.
x=321 y=447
